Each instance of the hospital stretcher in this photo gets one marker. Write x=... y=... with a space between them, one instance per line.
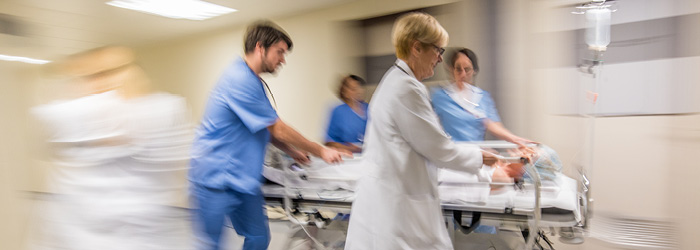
x=556 y=205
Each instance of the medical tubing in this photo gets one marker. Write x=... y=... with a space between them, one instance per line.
x=588 y=169
x=513 y=159
x=288 y=204
x=534 y=225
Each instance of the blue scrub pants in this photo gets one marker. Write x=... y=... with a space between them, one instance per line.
x=245 y=211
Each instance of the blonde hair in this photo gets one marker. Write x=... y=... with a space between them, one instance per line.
x=416 y=26
x=114 y=63
x=97 y=60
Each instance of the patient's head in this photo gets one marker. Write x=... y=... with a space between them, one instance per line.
x=546 y=162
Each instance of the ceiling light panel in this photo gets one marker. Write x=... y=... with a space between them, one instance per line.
x=178 y=9
x=22 y=59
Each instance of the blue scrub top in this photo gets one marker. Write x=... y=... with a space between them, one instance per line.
x=229 y=147
x=346 y=126
x=460 y=124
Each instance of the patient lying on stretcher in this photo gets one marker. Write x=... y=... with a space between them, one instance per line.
x=544 y=158
x=318 y=174
x=461 y=187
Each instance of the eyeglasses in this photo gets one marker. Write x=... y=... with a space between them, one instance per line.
x=439 y=49
x=463 y=69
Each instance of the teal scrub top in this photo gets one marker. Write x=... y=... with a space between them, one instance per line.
x=229 y=147
x=346 y=126
x=459 y=123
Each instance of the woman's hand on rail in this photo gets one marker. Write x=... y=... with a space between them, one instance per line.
x=330 y=155
x=522 y=144
x=353 y=148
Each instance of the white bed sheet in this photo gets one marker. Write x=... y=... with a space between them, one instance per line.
x=321 y=181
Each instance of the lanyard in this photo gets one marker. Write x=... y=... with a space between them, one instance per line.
x=404 y=71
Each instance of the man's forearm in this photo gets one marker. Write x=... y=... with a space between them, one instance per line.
x=281 y=145
x=287 y=135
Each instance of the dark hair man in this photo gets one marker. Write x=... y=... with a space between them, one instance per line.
x=229 y=148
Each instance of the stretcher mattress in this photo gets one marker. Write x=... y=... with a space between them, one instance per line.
x=334 y=184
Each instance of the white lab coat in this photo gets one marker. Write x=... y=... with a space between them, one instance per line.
x=397 y=204
x=117 y=168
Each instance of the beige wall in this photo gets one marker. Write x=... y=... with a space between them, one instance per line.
x=325 y=48
x=17 y=169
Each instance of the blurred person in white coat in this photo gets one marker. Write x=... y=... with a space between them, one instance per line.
x=397 y=204
x=118 y=155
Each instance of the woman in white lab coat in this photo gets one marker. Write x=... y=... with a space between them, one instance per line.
x=397 y=204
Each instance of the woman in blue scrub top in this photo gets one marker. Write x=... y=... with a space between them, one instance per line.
x=346 y=129
x=465 y=110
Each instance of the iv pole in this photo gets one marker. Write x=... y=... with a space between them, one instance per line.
x=597 y=37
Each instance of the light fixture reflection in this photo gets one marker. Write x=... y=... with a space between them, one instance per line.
x=177 y=9
x=23 y=59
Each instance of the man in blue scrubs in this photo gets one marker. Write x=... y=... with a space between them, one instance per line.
x=229 y=148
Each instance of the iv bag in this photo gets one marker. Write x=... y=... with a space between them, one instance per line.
x=598 y=28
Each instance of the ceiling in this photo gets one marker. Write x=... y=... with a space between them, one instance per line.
x=46 y=29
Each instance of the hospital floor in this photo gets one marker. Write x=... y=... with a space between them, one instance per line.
x=288 y=236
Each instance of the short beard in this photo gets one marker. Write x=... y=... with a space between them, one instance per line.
x=266 y=68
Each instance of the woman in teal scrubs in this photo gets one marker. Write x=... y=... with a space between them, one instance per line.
x=346 y=129
x=465 y=110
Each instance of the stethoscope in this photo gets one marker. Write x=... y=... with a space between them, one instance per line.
x=470 y=102
x=404 y=71
x=269 y=91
